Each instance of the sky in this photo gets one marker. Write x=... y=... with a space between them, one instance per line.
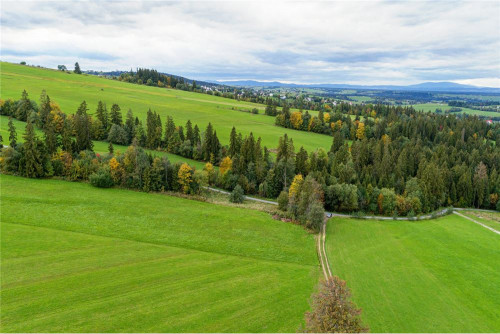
x=349 y=42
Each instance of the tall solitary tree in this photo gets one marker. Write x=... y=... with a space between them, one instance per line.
x=77 y=68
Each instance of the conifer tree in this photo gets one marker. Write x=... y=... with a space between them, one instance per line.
x=77 y=68
x=189 y=131
x=116 y=115
x=12 y=134
x=83 y=129
x=66 y=141
x=32 y=158
x=50 y=135
x=102 y=115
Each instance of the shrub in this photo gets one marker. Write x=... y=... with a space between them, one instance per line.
x=237 y=195
x=333 y=311
x=315 y=216
x=283 y=201
x=101 y=178
x=255 y=111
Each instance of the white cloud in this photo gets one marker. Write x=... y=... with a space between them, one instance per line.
x=318 y=42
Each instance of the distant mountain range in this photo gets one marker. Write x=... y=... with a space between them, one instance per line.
x=425 y=86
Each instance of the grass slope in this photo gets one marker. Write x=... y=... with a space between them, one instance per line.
x=69 y=90
x=80 y=259
x=433 y=106
x=436 y=275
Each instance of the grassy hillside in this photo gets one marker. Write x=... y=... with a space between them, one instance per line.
x=433 y=106
x=81 y=259
x=69 y=90
x=429 y=276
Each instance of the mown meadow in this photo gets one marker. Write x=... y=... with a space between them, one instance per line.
x=80 y=259
x=437 y=275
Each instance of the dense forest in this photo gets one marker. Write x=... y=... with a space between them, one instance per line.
x=384 y=160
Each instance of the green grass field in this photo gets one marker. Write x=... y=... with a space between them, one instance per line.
x=491 y=219
x=80 y=259
x=99 y=146
x=69 y=90
x=433 y=106
x=438 y=275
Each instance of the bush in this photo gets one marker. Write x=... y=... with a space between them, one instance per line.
x=315 y=216
x=333 y=311
x=101 y=178
x=283 y=200
x=255 y=111
x=237 y=195
x=498 y=206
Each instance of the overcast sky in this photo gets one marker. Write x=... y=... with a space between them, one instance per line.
x=322 y=42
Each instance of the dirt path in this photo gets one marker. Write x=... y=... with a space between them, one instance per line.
x=475 y=221
x=323 y=258
x=321 y=237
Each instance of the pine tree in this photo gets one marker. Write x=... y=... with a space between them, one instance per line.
x=111 y=149
x=189 y=132
x=24 y=107
x=12 y=134
x=102 y=115
x=116 y=115
x=32 y=159
x=83 y=129
x=196 y=135
x=50 y=135
x=207 y=142
x=44 y=110
x=234 y=145
x=169 y=130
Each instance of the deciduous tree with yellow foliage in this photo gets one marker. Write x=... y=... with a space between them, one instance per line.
x=185 y=176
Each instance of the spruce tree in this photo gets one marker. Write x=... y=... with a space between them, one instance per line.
x=12 y=134
x=32 y=158
x=169 y=130
x=196 y=135
x=102 y=115
x=116 y=115
x=83 y=129
x=233 y=143
x=50 y=136
x=189 y=131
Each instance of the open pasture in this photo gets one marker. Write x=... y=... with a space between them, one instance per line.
x=437 y=275
x=81 y=259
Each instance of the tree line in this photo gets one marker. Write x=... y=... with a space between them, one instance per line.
x=401 y=162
